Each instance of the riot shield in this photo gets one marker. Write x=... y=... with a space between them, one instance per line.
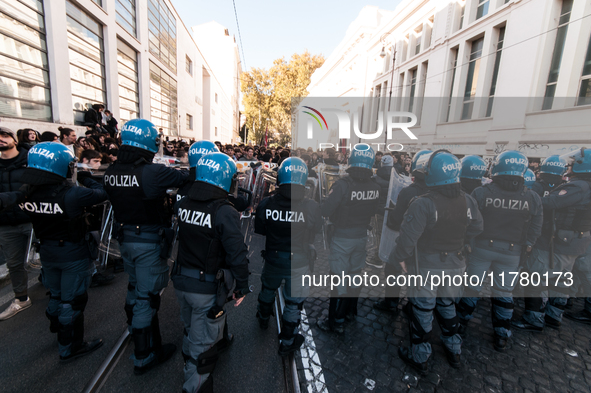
x=388 y=239
x=32 y=259
x=265 y=183
x=327 y=176
x=312 y=188
x=107 y=246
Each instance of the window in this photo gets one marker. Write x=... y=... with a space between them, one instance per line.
x=87 y=70
x=413 y=86
x=585 y=89
x=98 y=2
x=189 y=122
x=567 y=5
x=216 y=131
x=125 y=15
x=162 y=33
x=216 y=98
x=418 y=36
x=453 y=79
x=24 y=73
x=188 y=65
x=163 y=100
x=471 y=82
x=493 y=86
x=482 y=9
x=462 y=11
x=129 y=98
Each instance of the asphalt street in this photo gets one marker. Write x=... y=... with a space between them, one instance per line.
x=29 y=360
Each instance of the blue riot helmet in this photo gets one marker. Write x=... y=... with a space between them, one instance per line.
x=418 y=155
x=511 y=163
x=473 y=167
x=52 y=157
x=580 y=159
x=529 y=178
x=140 y=133
x=217 y=169
x=293 y=170
x=554 y=165
x=362 y=158
x=199 y=149
x=442 y=168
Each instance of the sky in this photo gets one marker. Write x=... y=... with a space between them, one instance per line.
x=272 y=29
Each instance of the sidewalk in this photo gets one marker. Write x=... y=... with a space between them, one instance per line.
x=365 y=358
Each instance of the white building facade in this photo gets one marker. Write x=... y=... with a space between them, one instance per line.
x=482 y=76
x=136 y=57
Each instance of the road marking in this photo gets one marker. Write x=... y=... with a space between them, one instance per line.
x=310 y=360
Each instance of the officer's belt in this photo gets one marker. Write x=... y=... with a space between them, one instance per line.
x=143 y=237
x=481 y=243
x=196 y=273
x=278 y=254
x=442 y=254
x=59 y=243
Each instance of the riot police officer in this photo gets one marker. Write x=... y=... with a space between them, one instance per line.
x=417 y=188
x=551 y=172
x=565 y=236
x=529 y=178
x=56 y=208
x=211 y=257
x=196 y=151
x=433 y=233
x=473 y=170
x=137 y=189
x=290 y=222
x=351 y=203
x=512 y=223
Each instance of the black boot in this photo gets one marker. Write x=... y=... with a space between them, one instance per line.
x=352 y=302
x=582 y=316
x=264 y=311
x=453 y=358
x=404 y=354
x=336 y=308
x=522 y=324
x=148 y=340
x=500 y=343
x=285 y=350
x=79 y=347
x=551 y=322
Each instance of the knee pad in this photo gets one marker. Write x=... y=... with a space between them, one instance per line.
x=449 y=327
x=155 y=301
x=417 y=330
x=206 y=361
x=129 y=312
x=79 y=302
x=288 y=329
x=265 y=309
x=499 y=303
x=464 y=309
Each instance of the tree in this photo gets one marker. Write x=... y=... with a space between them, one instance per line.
x=267 y=95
